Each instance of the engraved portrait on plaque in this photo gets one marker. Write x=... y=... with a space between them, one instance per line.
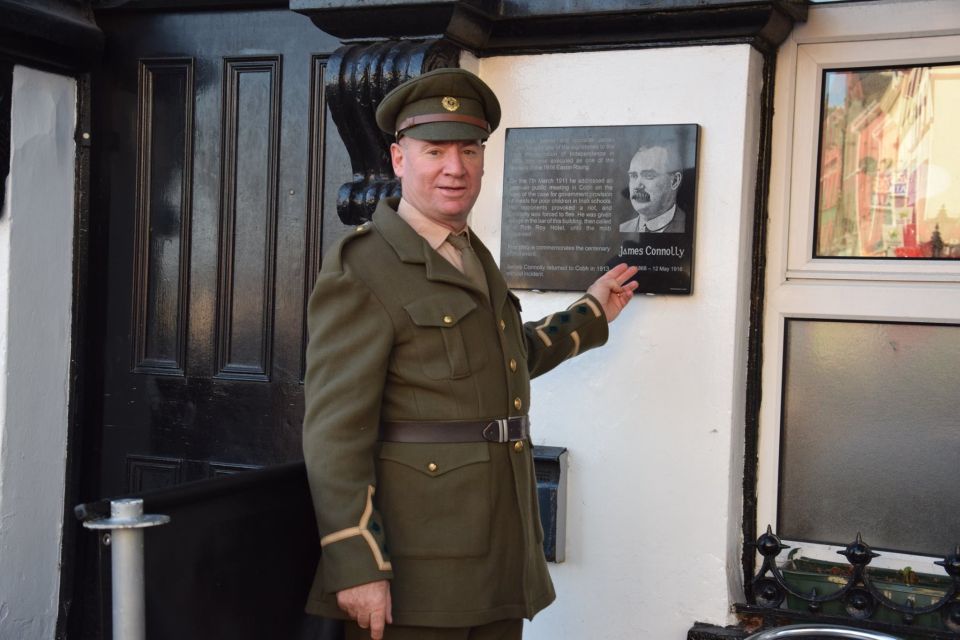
x=579 y=200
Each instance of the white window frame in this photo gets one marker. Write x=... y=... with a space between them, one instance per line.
x=812 y=60
x=881 y=33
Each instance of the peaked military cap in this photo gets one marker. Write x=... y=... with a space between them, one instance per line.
x=444 y=104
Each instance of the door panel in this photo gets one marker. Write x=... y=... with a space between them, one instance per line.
x=162 y=231
x=248 y=219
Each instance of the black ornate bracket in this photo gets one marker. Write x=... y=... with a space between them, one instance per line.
x=357 y=78
x=859 y=595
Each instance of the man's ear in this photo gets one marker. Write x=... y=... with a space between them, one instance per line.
x=676 y=179
x=396 y=156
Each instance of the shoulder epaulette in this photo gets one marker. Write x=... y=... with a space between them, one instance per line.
x=333 y=261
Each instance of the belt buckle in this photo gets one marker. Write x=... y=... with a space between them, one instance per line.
x=497 y=430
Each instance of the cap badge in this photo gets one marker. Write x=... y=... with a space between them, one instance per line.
x=450 y=103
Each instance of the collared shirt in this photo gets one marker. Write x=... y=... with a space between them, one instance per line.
x=656 y=225
x=433 y=232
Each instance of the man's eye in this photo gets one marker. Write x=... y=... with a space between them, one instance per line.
x=649 y=175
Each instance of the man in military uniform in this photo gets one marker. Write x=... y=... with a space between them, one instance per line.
x=416 y=435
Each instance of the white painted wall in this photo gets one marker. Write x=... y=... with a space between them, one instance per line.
x=654 y=420
x=36 y=278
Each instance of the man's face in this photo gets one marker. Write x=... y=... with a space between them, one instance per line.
x=653 y=182
x=440 y=179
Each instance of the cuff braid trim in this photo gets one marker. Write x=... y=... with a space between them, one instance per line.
x=362 y=531
x=543 y=334
x=576 y=343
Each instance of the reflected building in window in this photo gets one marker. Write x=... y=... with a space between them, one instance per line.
x=889 y=174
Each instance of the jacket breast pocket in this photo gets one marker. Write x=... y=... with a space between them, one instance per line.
x=439 y=335
x=435 y=499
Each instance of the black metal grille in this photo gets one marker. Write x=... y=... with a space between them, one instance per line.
x=861 y=596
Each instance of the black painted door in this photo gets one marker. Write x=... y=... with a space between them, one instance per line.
x=213 y=179
x=212 y=165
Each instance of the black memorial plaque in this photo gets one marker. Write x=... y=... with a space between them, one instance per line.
x=580 y=200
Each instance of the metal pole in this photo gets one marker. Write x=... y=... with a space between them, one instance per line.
x=126 y=557
x=126 y=524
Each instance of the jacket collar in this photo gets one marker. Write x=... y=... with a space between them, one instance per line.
x=413 y=249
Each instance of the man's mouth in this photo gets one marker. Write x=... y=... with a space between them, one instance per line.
x=640 y=195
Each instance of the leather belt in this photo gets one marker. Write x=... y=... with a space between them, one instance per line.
x=451 y=431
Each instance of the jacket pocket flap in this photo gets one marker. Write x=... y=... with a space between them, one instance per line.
x=435 y=459
x=440 y=310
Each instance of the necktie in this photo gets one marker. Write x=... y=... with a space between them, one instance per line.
x=471 y=263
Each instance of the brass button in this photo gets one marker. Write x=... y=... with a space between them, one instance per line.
x=447 y=319
x=513 y=364
x=518 y=403
x=518 y=446
x=503 y=325
x=432 y=467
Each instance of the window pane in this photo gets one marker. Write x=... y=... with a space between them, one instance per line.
x=889 y=165
x=870 y=435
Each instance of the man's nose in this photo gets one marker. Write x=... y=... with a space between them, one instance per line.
x=453 y=164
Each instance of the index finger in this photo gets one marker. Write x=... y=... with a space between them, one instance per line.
x=621 y=273
x=614 y=272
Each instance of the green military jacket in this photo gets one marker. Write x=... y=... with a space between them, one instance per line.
x=398 y=333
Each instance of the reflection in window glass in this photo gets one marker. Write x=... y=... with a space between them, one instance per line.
x=871 y=435
x=889 y=165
